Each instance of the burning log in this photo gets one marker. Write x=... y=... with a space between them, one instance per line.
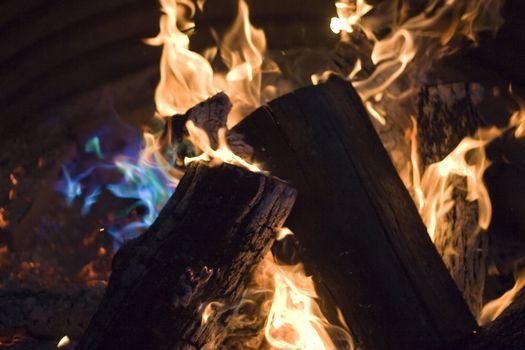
x=208 y=237
x=447 y=114
x=47 y=314
x=361 y=235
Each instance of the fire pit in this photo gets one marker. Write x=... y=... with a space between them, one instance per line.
x=288 y=177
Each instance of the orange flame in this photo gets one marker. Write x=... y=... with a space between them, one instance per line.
x=223 y=154
x=495 y=307
x=294 y=319
x=188 y=78
x=3 y=221
x=424 y=37
x=434 y=190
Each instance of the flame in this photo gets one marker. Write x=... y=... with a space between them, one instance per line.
x=433 y=191
x=188 y=78
x=413 y=40
x=495 y=307
x=223 y=154
x=63 y=342
x=242 y=50
x=3 y=221
x=517 y=118
x=293 y=318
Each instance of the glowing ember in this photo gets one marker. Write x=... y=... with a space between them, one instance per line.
x=3 y=220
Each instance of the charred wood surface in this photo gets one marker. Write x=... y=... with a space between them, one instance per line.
x=447 y=114
x=47 y=314
x=361 y=235
x=202 y=247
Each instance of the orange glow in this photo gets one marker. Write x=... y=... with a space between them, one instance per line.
x=3 y=220
x=418 y=40
x=13 y=179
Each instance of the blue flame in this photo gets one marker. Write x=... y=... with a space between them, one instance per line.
x=131 y=171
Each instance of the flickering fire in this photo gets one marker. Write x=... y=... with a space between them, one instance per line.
x=434 y=190
x=495 y=307
x=223 y=154
x=294 y=320
x=414 y=42
x=400 y=59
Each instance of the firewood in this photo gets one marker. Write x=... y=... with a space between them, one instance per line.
x=447 y=114
x=361 y=235
x=47 y=314
x=202 y=247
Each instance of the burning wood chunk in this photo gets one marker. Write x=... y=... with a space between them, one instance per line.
x=210 y=116
x=447 y=114
x=202 y=247
x=361 y=235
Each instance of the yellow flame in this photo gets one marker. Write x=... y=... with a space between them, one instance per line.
x=209 y=310
x=349 y=14
x=223 y=154
x=242 y=50
x=188 y=78
x=424 y=37
x=295 y=320
x=433 y=191
x=3 y=221
x=63 y=342
x=517 y=118
x=495 y=307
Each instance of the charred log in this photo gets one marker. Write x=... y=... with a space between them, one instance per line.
x=361 y=235
x=208 y=237
x=447 y=114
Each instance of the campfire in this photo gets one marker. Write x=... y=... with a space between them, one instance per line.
x=365 y=192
